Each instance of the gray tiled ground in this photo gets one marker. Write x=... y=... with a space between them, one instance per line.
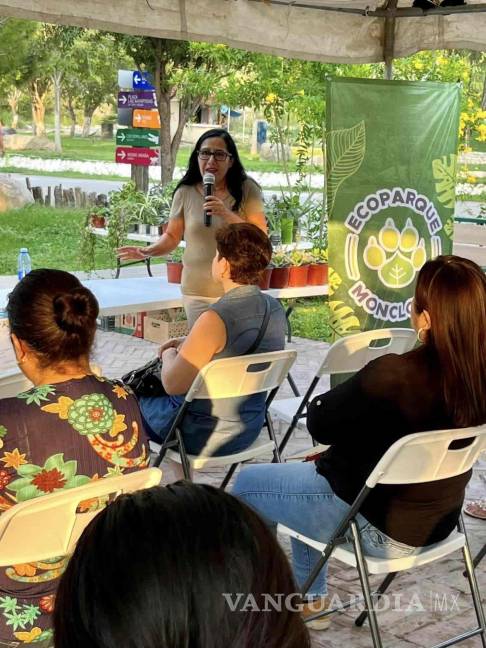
x=434 y=602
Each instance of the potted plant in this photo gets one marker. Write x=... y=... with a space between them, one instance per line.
x=317 y=275
x=272 y=214
x=98 y=216
x=155 y=208
x=174 y=266
x=264 y=283
x=280 y=270
x=299 y=268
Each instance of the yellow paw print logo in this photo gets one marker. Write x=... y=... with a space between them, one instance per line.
x=396 y=256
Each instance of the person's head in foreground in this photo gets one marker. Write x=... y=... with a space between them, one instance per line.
x=166 y=567
x=52 y=319
x=243 y=252
x=449 y=315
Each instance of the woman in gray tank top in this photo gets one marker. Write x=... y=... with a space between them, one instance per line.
x=229 y=328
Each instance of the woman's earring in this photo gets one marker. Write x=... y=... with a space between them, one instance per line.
x=421 y=330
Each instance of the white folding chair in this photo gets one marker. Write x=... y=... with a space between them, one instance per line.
x=230 y=378
x=49 y=526
x=414 y=459
x=347 y=355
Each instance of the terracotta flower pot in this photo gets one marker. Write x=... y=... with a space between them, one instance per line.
x=264 y=283
x=279 y=277
x=97 y=221
x=174 y=271
x=317 y=274
x=298 y=276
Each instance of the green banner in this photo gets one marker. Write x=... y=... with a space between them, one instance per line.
x=391 y=167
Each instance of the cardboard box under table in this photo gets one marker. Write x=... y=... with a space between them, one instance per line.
x=160 y=327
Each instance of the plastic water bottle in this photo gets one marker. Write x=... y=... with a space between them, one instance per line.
x=24 y=264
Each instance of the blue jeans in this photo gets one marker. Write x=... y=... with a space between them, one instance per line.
x=295 y=495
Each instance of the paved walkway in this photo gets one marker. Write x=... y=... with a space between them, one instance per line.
x=426 y=606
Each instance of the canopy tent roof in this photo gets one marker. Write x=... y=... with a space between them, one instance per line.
x=340 y=31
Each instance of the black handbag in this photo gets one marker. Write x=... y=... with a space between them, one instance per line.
x=146 y=380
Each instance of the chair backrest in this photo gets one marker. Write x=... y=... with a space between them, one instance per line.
x=241 y=375
x=12 y=382
x=353 y=352
x=427 y=456
x=50 y=526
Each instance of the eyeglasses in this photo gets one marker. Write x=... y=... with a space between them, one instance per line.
x=219 y=156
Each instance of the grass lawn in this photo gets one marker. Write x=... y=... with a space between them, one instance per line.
x=53 y=237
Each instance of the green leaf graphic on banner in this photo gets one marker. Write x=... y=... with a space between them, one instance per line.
x=334 y=280
x=449 y=227
x=397 y=271
x=346 y=149
x=445 y=176
x=342 y=320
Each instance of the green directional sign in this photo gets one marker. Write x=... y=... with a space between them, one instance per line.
x=145 y=137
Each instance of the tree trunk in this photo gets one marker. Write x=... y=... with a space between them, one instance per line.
x=483 y=100
x=72 y=115
x=57 y=79
x=38 y=109
x=88 y=116
x=13 y=99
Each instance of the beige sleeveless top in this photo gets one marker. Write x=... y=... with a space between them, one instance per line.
x=200 y=240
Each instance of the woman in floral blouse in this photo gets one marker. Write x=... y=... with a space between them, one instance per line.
x=70 y=428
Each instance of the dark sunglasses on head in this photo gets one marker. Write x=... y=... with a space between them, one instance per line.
x=219 y=156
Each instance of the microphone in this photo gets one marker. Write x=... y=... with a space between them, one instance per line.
x=208 y=184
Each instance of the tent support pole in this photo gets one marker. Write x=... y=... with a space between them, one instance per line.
x=389 y=38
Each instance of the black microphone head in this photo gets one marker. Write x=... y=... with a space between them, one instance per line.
x=209 y=179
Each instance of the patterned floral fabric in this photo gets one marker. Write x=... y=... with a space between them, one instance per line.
x=55 y=437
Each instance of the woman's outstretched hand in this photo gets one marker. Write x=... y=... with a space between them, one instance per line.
x=131 y=252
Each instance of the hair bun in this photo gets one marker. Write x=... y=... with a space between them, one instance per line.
x=75 y=310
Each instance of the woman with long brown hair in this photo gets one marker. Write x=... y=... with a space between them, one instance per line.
x=441 y=384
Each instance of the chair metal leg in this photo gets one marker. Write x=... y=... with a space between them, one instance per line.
x=299 y=413
x=288 y=312
x=229 y=475
x=381 y=590
x=292 y=384
x=186 y=466
x=365 y=585
x=480 y=555
x=473 y=584
x=271 y=433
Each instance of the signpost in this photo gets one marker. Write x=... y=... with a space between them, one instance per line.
x=137 y=99
x=137 y=137
x=142 y=80
x=139 y=156
x=137 y=109
x=146 y=119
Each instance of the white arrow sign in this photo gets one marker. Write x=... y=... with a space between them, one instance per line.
x=122 y=155
x=153 y=138
x=138 y=118
x=121 y=136
x=154 y=159
x=123 y=99
x=137 y=78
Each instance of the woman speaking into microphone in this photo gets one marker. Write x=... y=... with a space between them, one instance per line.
x=196 y=216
